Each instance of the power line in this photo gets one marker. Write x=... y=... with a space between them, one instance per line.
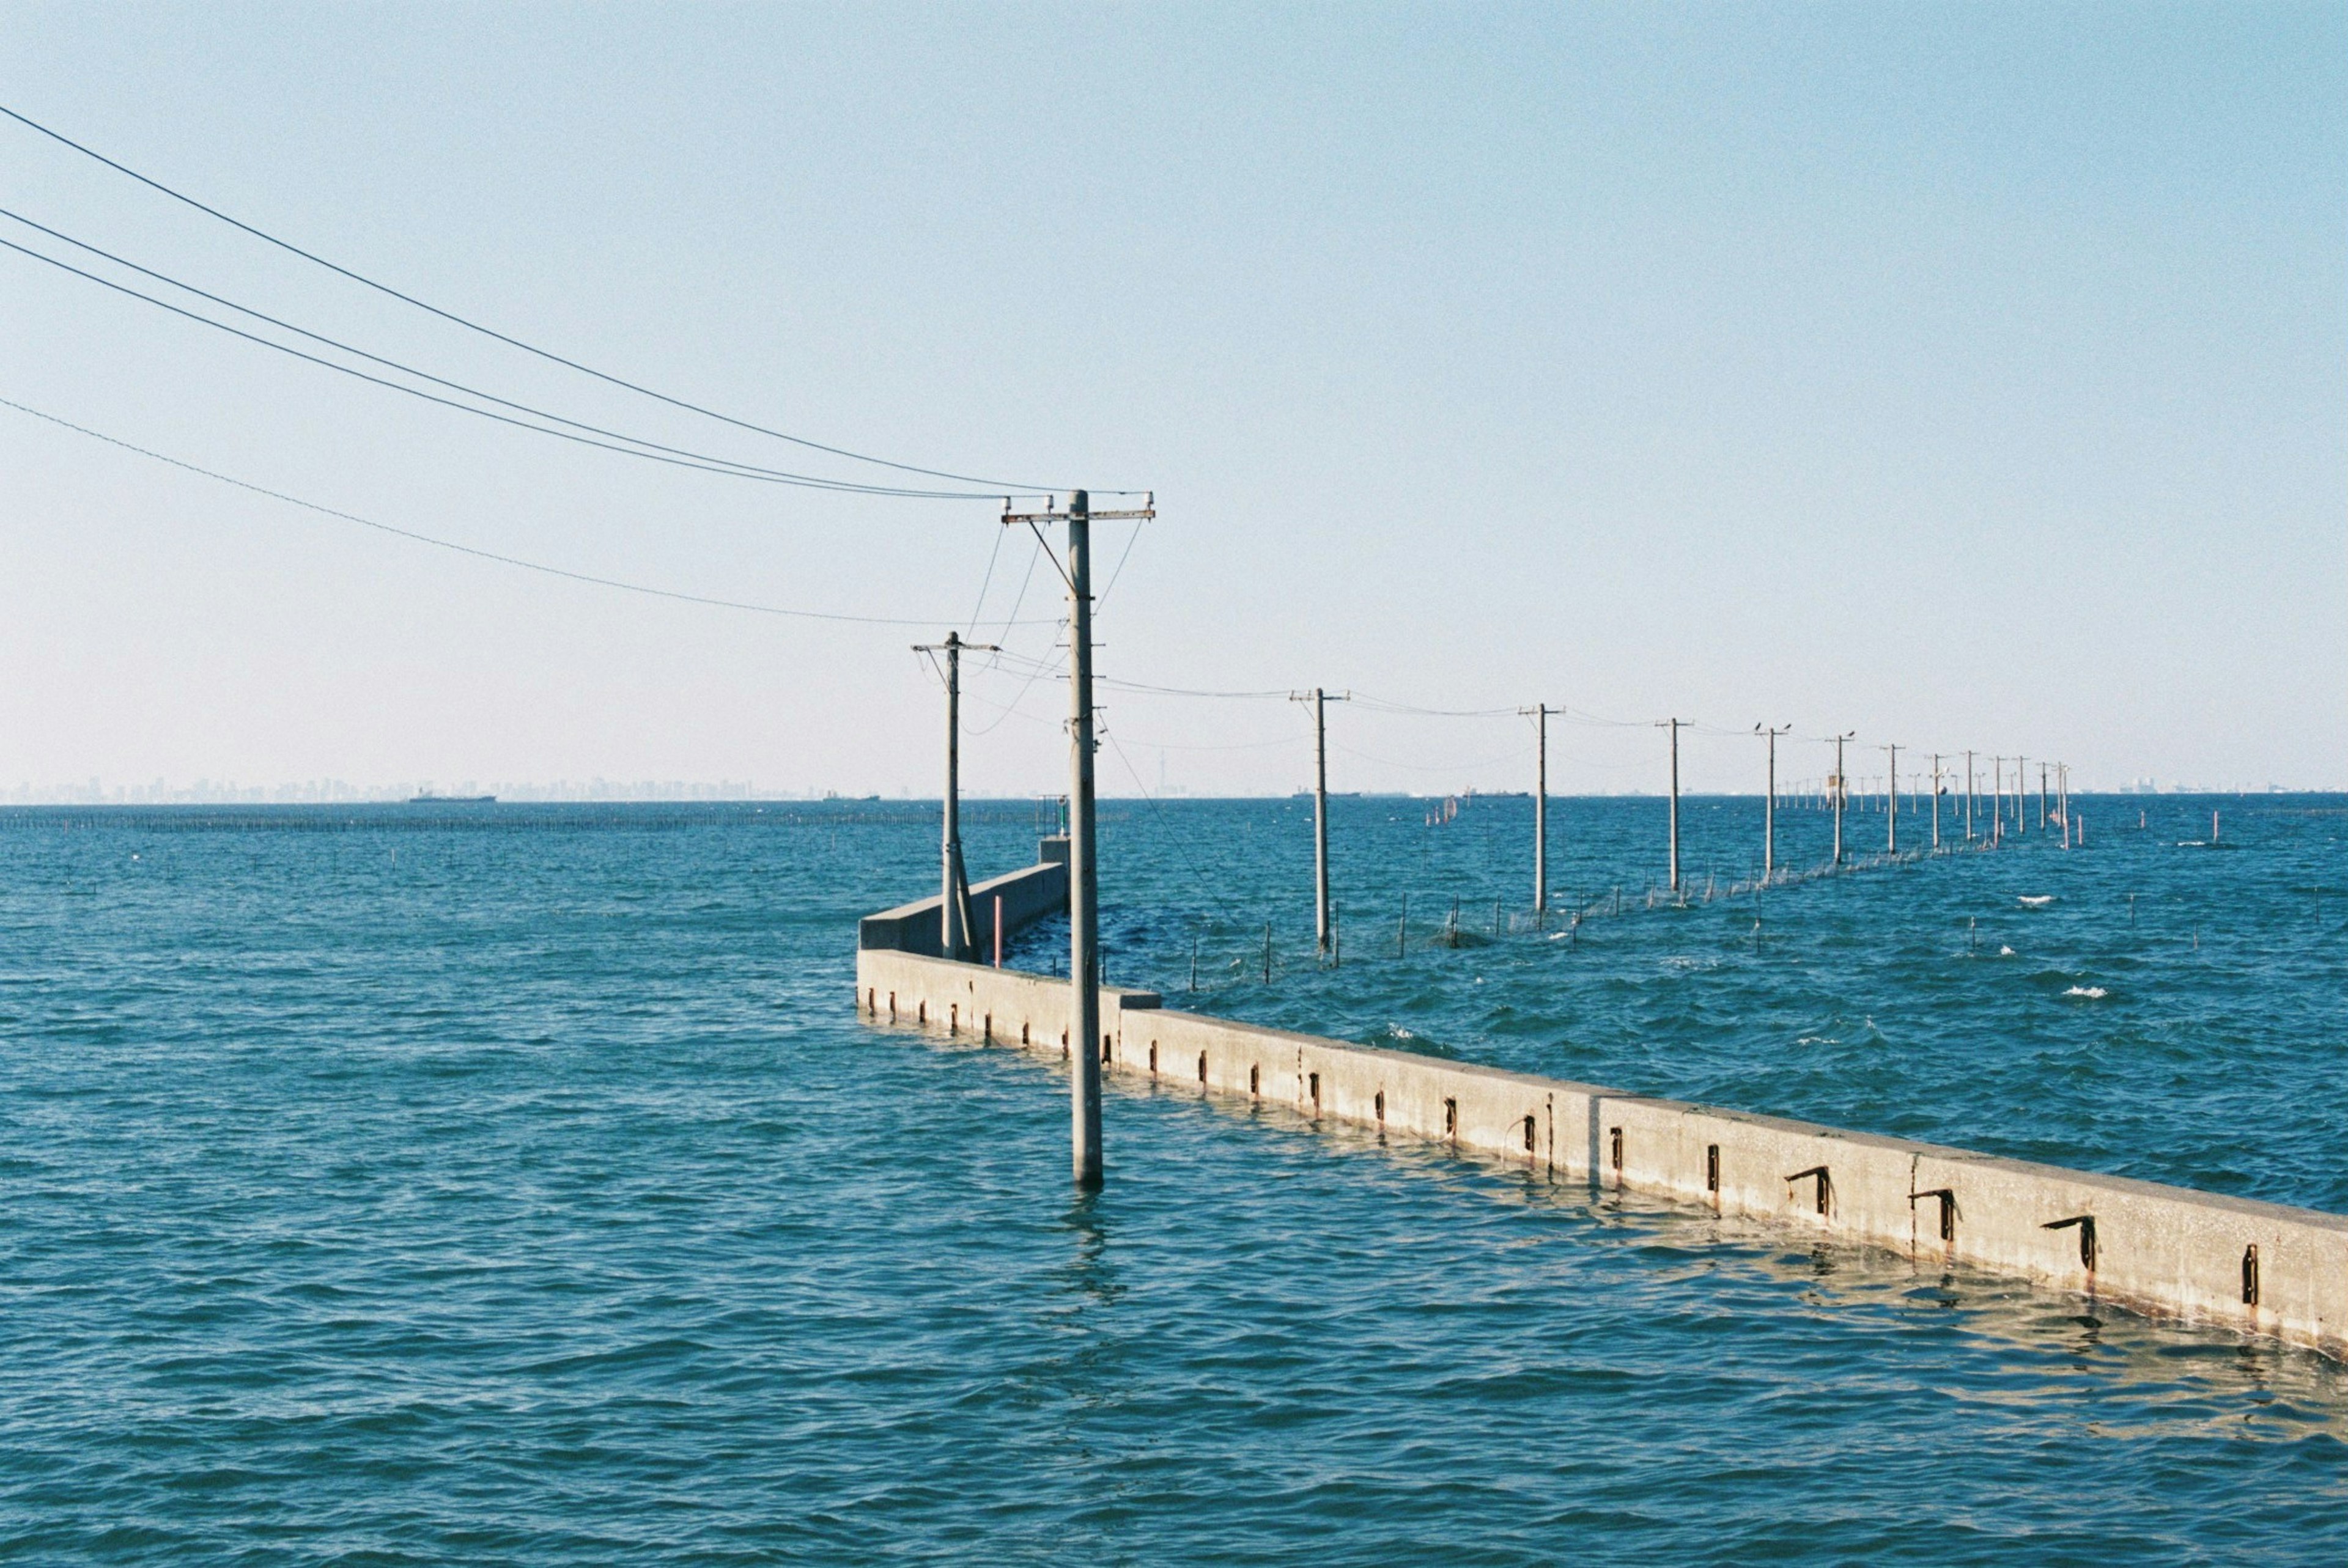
x=747 y=470
x=992 y=486
x=710 y=465
x=459 y=548
x=1021 y=598
x=986 y=582
x=1118 y=570
x=1379 y=704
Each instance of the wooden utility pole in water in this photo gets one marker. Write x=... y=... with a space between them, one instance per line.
x=1674 y=725
x=1936 y=803
x=1540 y=712
x=1083 y=880
x=1891 y=803
x=1769 y=806
x=1969 y=788
x=1320 y=824
x=1839 y=791
x=1319 y=700
x=956 y=940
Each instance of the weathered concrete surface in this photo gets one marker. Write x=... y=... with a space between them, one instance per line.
x=1028 y=895
x=2261 y=1268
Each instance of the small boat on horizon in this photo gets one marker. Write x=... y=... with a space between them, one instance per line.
x=428 y=798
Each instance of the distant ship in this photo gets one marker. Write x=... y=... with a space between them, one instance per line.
x=428 y=799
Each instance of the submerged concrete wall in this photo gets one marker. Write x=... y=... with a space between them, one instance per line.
x=1027 y=896
x=2262 y=1269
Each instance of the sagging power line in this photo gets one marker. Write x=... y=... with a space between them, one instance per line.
x=475 y=551
x=578 y=432
x=993 y=487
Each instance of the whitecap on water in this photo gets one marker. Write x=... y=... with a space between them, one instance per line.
x=2091 y=993
x=2036 y=900
x=2006 y=952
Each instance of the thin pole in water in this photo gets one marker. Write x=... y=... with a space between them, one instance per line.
x=1084 y=886
x=1320 y=824
x=955 y=938
x=1320 y=699
x=1840 y=789
x=1891 y=804
x=1540 y=712
x=1936 y=803
x=1267 y=952
x=1084 y=878
x=1769 y=805
x=1674 y=725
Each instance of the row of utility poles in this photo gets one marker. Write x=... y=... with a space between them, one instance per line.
x=957 y=930
x=1084 y=881
x=2053 y=797
x=1835 y=795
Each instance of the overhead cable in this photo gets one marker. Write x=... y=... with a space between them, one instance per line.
x=709 y=465
x=478 y=553
x=748 y=470
x=992 y=486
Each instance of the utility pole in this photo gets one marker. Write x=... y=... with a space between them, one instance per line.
x=1540 y=712
x=1769 y=806
x=955 y=937
x=2020 y=795
x=1969 y=798
x=1674 y=725
x=1839 y=791
x=1320 y=818
x=1936 y=803
x=1891 y=804
x=1083 y=880
x=2042 y=797
x=1997 y=797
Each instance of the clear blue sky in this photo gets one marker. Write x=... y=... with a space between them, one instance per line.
x=1968 y=376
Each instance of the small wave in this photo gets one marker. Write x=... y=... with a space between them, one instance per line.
x=2091 y=993
x=1395 y=1037
x=2036 y=900
x=2006 y=952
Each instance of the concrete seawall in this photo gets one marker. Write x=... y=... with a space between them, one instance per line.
x=1025 y=896
x=2255 y=1267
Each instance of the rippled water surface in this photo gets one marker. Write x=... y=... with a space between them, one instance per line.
x=515 y=1184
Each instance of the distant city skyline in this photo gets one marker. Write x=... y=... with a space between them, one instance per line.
x=337 y=791
x=1957 y=377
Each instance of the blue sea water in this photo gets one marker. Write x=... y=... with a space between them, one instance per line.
x=516 y=1186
